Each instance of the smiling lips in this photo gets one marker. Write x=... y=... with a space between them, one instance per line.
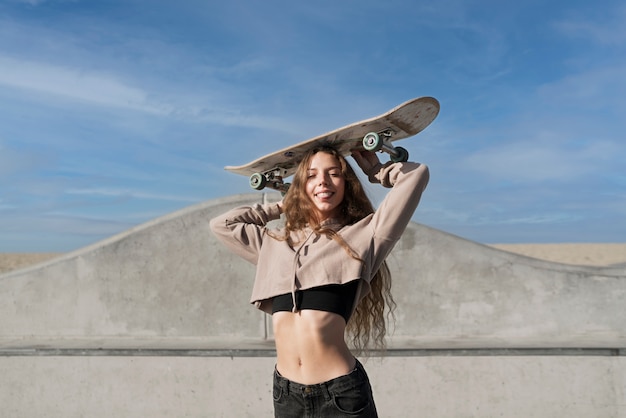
x=324 y=195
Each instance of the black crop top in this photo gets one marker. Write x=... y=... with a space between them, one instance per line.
x=335 y=298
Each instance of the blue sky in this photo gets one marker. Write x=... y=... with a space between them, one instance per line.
x=113 y=113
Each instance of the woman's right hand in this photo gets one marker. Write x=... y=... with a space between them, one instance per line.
x=367 y=160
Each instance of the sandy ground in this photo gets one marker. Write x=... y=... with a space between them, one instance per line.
x=581 y=254
x=14 y=261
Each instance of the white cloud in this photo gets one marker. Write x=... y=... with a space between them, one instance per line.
x=128 y=193
x=46 y=224
x=595 y=88
x=541 y=160
x=14 y=161
x=4 y=206
x=31 y=2
x=607 y=30
x=75 y=84
x=102 y=89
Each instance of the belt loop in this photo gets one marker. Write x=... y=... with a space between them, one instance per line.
x=326 y=392
x=282 y=382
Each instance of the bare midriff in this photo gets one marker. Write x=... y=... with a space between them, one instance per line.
x=310 y=346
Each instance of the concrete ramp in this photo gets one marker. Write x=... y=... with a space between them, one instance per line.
x=156 y=322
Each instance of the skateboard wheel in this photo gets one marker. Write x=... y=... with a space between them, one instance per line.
x=403 y=155
x=258 y=181
x=372 y=142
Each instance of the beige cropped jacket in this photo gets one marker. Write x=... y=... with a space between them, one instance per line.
x=316 y=260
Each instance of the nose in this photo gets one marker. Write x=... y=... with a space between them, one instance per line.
x=324 y=180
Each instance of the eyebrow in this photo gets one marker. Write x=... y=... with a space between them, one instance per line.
x=327 y=169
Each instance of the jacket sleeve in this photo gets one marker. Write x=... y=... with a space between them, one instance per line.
x=408 y=181
x=242 y=229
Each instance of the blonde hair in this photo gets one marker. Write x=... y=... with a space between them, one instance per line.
x=368 y=323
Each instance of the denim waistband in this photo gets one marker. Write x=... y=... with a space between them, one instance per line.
x=325 y=388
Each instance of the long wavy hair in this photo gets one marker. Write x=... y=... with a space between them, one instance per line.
x=368 y=323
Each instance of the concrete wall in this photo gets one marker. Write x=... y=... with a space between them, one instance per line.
x=156 y=322
x=424 y=386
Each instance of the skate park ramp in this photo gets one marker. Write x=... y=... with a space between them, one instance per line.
x=156 y=322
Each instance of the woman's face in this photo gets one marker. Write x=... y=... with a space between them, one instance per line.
x=325 y=185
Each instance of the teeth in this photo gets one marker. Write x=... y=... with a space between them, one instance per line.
x=324 y=194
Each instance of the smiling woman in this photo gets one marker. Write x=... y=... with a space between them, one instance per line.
x=324 y=276
x=325 y=185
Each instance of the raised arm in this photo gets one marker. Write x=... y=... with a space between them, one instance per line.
x=407 y=180
x=242 y=229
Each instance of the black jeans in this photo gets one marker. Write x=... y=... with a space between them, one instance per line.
x=344 y=396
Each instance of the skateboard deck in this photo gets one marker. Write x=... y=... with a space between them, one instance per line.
x=375 y=134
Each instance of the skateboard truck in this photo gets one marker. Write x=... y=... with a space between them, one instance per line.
x=378 y=142
x=272 y=179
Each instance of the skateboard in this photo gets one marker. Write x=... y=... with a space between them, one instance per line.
x=374 y=134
